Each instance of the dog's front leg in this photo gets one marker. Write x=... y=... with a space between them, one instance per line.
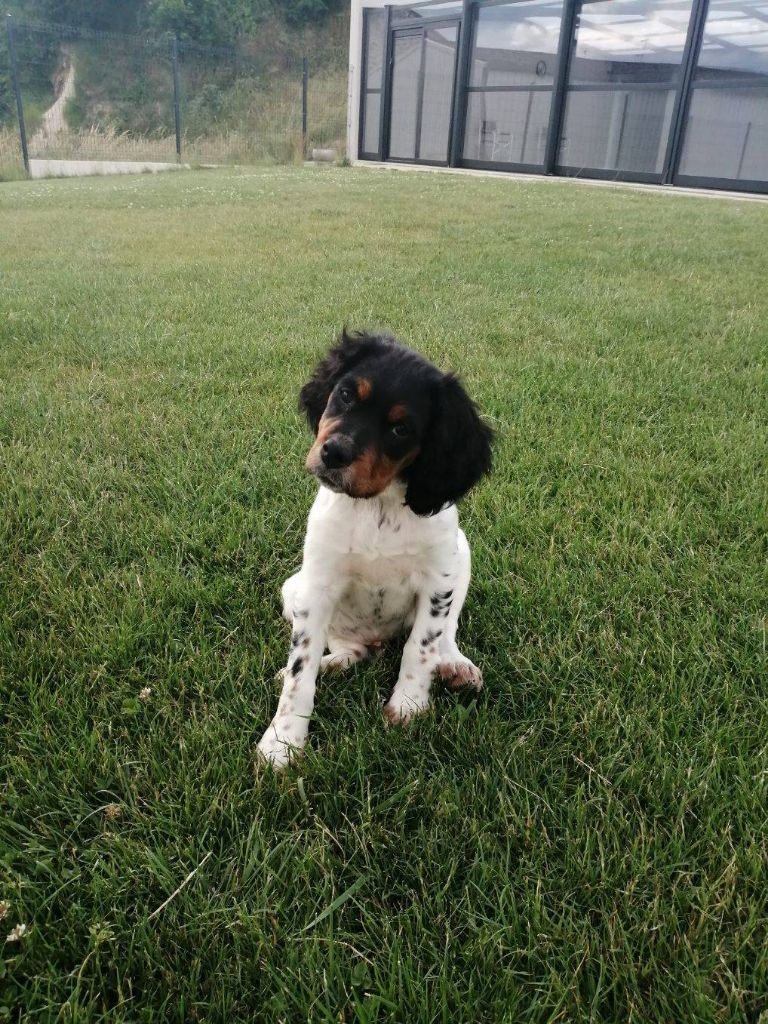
x=313 y=609
x=421 y=653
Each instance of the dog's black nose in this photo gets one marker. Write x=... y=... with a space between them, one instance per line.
x=336 y=453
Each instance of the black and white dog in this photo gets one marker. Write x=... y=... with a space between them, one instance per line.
x=398 y=442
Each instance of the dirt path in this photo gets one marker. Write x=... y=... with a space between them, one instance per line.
x=53 y=122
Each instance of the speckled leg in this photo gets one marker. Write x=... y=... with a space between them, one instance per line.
x=453 y=668
x=287 y=732
x=421 y=654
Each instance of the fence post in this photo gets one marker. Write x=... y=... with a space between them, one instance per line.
x=17 y=91
x=304 y=86
x=176 y=98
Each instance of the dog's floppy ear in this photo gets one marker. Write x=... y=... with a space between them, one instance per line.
x=348 y=351
x=455 y=451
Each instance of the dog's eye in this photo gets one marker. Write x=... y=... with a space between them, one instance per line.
x=346 y=396
x=400 y=430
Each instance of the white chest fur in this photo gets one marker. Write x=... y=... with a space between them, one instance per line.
x=371 y=529
x=382 y=550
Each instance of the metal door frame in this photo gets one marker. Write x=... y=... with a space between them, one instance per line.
x=419 y=30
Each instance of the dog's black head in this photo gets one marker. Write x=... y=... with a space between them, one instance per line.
x=382 y=412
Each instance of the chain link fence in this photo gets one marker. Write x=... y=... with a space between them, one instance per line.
x=99 y=96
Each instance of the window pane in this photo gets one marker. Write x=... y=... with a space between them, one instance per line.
x=371 y=122
x=507 y=127
x=727 y=134
x=450 y=9
x=637 y=43
x=516 y=44
x=405 y=93
x=439 y=63
x=735 y=40
x=630 y=41
x=375 y=23
x=617 y=130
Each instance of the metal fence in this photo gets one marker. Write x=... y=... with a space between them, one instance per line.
x=72 y=94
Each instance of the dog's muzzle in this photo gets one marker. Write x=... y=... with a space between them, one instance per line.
x=329 y=460
x=337 y=452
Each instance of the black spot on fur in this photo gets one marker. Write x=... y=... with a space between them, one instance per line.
x=302 y=614
x=297 y=667
x=431 y=636
x=296 y=638
x=440 y=604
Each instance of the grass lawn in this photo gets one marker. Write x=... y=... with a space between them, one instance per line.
x=586 y=842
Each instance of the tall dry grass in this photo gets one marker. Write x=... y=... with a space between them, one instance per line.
x=11 y=164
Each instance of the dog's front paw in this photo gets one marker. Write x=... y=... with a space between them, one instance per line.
x=459 y=673
x=280 y=744
x=402 y=707
x=274 y=751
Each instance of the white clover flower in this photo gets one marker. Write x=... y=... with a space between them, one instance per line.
x=16 y=933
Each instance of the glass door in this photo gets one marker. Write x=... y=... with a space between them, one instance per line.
x=423 y=70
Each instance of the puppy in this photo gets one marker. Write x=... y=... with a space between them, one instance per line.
x=397 y=443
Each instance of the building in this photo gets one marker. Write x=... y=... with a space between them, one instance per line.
x=664 y=91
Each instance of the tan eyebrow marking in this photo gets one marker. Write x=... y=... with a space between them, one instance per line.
x=397 y=413
x=364 y=388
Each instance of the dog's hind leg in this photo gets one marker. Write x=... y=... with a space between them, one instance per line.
x=288 y=592
x=455 y=670
x=343 y=654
